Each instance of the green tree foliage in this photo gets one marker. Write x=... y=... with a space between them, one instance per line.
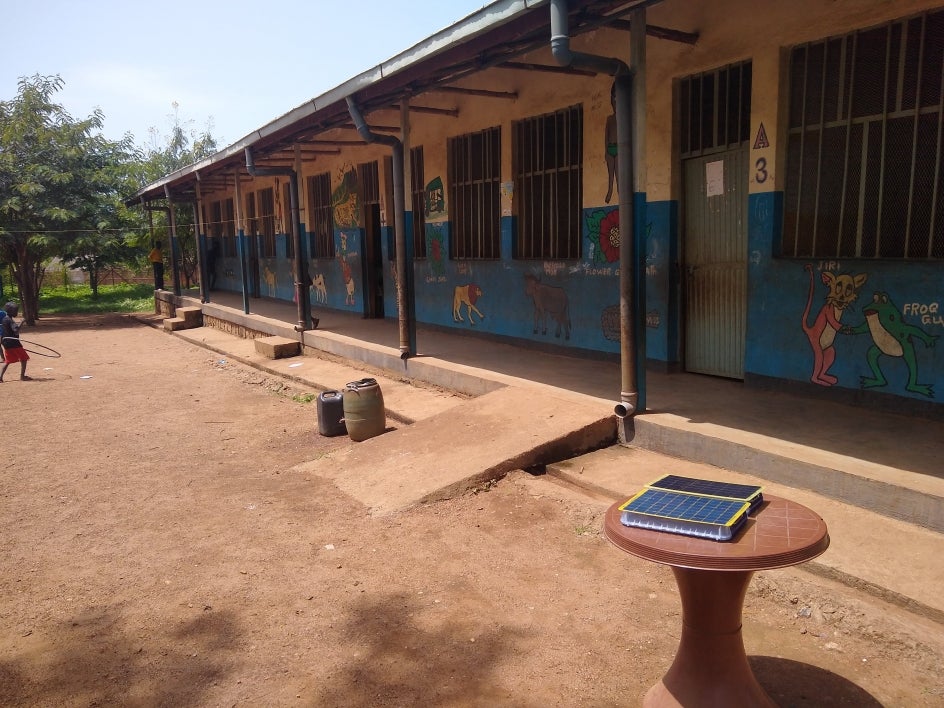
x=61 y=185
x=63 y=188
x=182 y=147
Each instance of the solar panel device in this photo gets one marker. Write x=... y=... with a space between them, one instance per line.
x=692 y=507
x=725 y=490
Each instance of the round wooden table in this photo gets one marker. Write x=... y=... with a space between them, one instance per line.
x=710 y=666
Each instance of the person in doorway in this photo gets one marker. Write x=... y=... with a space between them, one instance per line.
x=156 y=256
x=12 y=348
x=213 y=252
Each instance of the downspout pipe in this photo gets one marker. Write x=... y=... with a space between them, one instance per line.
x=623 y=87
x=404 y=292
x=302 y=293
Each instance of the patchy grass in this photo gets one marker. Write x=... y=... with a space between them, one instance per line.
x=111 y=298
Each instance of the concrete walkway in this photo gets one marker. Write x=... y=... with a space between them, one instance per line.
x=876 y=478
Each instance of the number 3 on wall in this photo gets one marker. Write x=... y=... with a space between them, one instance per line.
x=760 y=167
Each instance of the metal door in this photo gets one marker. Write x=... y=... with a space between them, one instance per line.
x=715 y=253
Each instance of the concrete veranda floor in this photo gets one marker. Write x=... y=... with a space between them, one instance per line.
x=886 y=448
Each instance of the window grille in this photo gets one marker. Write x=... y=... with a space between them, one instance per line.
x=368 y=183
x=267 y=221
x=287 y=220
x=418 y=192
x=320 y=216
x=548 y=174
x=216 y=219
x=474 y=187
x=715 y=110
x=229 y=228
x=252 y=223
x=865 y=174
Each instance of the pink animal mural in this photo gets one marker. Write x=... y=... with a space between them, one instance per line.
x=549 y=302
x=841 y=291
x=348 y=277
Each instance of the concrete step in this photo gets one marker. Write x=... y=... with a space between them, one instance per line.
x=192 y=316
x=185 y=318
x=277 y=347
x=900 y=494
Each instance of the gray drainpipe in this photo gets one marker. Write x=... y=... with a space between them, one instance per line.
x=404 y=291
x=301 y=282
x=623 y=83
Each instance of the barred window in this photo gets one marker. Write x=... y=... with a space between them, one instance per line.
x=715 y=110
x=865 y=174
x=474 y=187
x=287 y=219
x=216 y=219
x=229 y=228
x=252 y=223
x=267 y=221
x=418 y=192
x=368 y=183
x=320 y=220
x=548 y=173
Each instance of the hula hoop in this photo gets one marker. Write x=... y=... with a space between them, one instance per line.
x=47 y=351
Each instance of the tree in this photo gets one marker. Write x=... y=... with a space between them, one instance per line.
x=60 y=182
x=183 y=146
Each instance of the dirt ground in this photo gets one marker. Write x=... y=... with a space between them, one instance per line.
x=159 y=550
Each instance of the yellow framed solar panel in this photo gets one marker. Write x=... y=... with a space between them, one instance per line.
x=699 y=515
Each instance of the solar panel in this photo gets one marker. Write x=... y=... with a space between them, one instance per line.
x=726 y=490
x=683 y=513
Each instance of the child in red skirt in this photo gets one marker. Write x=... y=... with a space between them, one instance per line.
x=12 y=349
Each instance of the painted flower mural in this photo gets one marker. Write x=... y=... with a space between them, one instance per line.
x=604 y=233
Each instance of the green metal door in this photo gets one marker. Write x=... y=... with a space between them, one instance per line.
x=715 y=259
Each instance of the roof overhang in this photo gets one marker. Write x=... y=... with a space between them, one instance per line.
x=495 y=35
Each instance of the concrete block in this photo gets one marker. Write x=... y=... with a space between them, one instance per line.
x=172 y=324
x=277 y=347
x=193 y=316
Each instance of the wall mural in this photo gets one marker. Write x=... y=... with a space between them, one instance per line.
x=318 y=288
x=347 y=275
x=841 y=291
x=882 y=320
x=436 y=218
x=603 y=230
x=269 y=277
x=611 y=147
x=549 y=301
x=435 y=200
x=891 y=336
x=466 y=295
x=344 y=199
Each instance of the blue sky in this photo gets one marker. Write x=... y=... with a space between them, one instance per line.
x=240 y=64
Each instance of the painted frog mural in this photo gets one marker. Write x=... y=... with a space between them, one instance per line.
x=891 y=336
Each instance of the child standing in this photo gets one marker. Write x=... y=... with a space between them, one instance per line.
x=12 y=349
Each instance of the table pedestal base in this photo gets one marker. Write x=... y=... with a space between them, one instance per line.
x=710 y=667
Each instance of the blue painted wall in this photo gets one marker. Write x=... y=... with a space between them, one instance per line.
x=501 y=292
x=779 y=289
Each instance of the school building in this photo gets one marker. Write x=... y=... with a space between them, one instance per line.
x=749 y=190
